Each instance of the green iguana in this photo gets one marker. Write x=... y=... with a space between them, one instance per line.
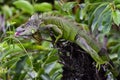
x=65 y=29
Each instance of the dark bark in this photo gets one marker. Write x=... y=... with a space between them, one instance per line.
x=77 y=64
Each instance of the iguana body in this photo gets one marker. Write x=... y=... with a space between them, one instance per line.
x=65 y=29
x=62 y=28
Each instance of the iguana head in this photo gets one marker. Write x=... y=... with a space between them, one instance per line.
x=30 y=27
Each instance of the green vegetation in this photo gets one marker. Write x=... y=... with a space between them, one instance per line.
x=23 y=58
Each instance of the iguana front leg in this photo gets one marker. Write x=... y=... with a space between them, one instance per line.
x=58 y=32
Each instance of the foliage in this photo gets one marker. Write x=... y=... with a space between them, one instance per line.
x=24 y=59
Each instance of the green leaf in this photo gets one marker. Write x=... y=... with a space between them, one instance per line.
x=25 y=6
x=116 y=17
x=51 y=57
x=41 y=71
x=56 y=76
x=11 y=62
x=104 y=24
x=102 y=18
x=57 y=5
x=56 y=73
x=19 y=67
x=43 y=7
x=118 y=6
x=113 y=56
x=95 y=15
x=49 y=67
x=118 y=53
x=117 y=1
x=53 y=52
x=10 y=50
x=67 y=7
x=112 y=42
x=22 y=76
x=7 y=11
x=115 y=48
x=45 y=77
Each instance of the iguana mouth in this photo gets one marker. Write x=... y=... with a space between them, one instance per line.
x=18 y=33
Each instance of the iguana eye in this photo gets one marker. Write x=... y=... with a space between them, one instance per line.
x=22 y=26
